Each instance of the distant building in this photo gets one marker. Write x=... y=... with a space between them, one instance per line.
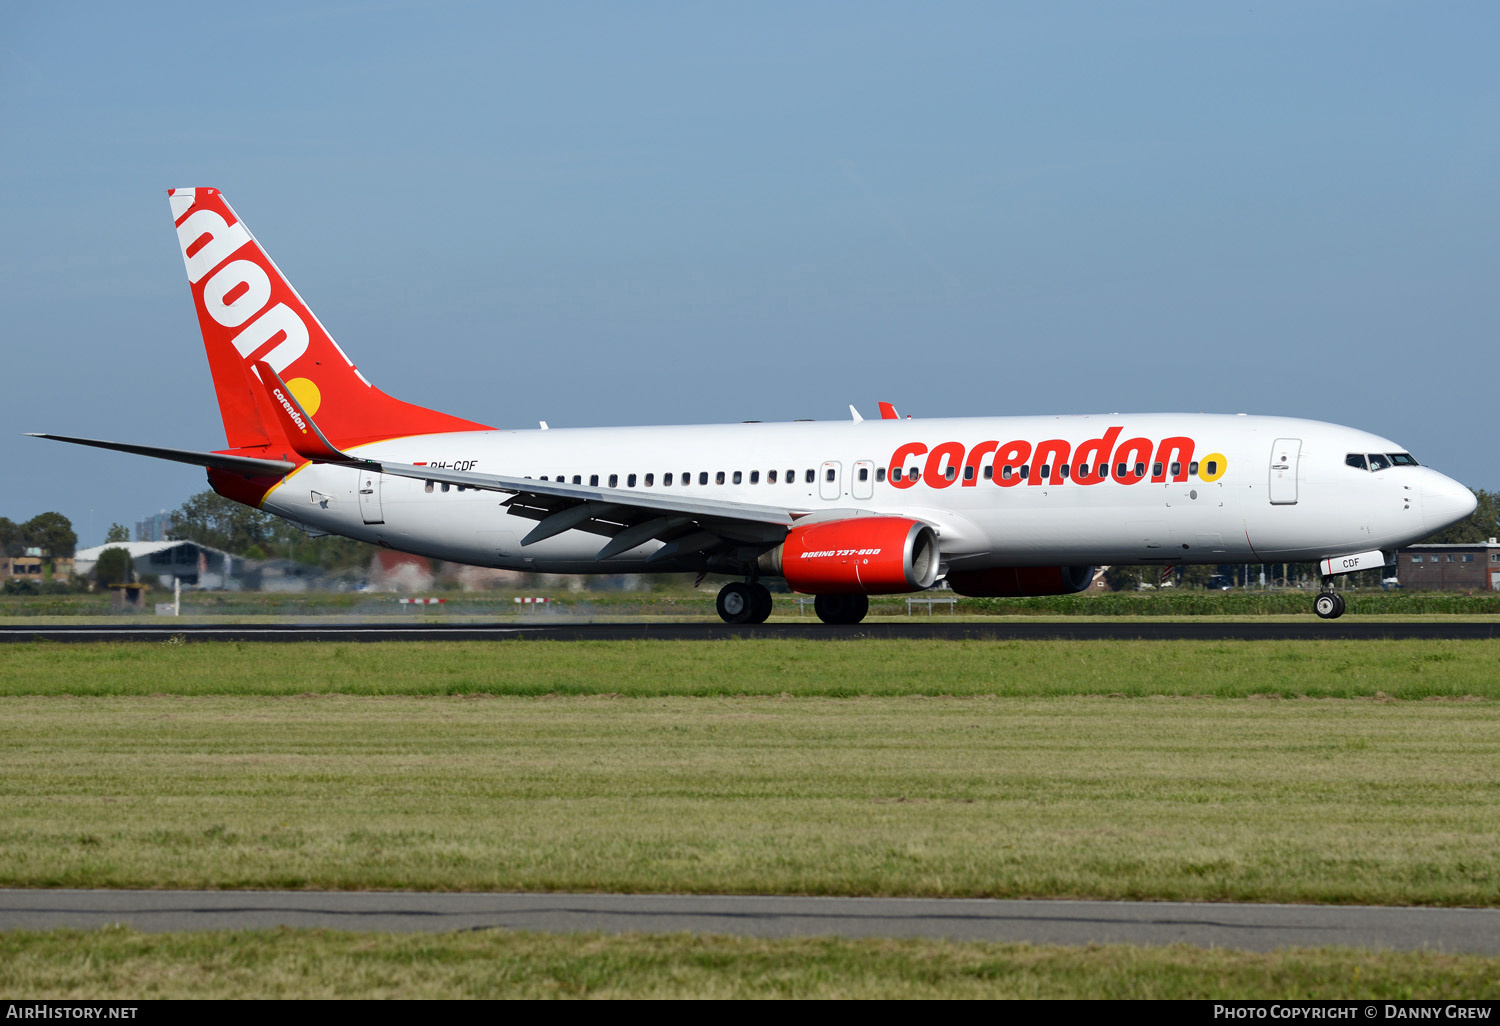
x=30 y=566
x=154 y=528
x=1458 y=566
x=399 y=571
x=195 y=565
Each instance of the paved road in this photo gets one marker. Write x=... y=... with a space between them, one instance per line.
x=1251 y=927
x=1101 y=630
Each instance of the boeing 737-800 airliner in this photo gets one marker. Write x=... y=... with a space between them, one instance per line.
x=995 y=506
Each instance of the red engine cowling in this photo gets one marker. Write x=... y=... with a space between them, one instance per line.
x=860 y=555
x=1016 y=581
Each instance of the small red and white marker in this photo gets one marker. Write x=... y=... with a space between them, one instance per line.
x=422 y=602
x=528 y=600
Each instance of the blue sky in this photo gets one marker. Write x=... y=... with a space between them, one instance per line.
x=683 y=213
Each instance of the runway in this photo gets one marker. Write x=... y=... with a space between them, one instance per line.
x=1001 y=630
x=1247 y=927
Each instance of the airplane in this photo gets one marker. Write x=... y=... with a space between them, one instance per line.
x=994 y=506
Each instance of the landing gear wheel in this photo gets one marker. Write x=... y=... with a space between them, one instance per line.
x=841 y=608
x=736 y=603
x=1329 y=605
x=762 y=603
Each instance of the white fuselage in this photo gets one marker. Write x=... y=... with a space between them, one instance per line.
x=985 y=513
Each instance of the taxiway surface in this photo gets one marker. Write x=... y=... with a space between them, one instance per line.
x=1248 y=927
x=1007 y=630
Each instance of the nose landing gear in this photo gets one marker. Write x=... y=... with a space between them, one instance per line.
x=744 y=602
x=1329 y=604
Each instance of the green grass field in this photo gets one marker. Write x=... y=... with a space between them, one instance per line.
x=864 y=668
x=1346 y=772
x=120 y=963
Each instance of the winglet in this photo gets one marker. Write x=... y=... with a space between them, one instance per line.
x=304 y=435
x=888 y=412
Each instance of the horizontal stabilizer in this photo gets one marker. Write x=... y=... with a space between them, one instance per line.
x=239 y=464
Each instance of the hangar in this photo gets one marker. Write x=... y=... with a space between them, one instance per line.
x=1452 y=566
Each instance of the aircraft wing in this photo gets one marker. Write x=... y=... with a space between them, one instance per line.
x=626 y=517
x=690 y=528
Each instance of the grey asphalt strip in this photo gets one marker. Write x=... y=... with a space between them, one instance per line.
x=1249 y=927
x=1009 y=630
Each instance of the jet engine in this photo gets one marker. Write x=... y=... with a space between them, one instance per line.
x=1016 y=581
x=860 y=555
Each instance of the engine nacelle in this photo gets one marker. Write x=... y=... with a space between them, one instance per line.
x=1017 y=581
x=860 y=555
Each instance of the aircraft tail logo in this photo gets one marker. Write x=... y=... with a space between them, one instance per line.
x=248 y=312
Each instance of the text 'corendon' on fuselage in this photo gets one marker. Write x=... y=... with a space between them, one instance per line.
x=1054 y=462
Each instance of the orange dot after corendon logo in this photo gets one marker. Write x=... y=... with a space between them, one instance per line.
x=307 y=395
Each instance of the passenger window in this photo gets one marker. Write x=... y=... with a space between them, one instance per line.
x=427 y=487
x=544 y=477
x=1062 y=471
x=989 y=472
x=1177 y=470
x=719 y=477
x=879 y=474
x=811 y=477
x=630 y=481
x=1140 y=470
x=864 y=473
x=666 y=479
x=914 y=474
x=1193 y=468
x=1156 y=470
x=791 y=477
x=703 y=477
x=770 y=477
x=1120 y=469
x=1005 y=472
x=593 y=480
x=614 y=480
x=968 y=473
x=755 y=477
x=650 y=480
x=445 y=486
x=736 y=477
x=1356 y=460
x=1046 y=471
x=687 y=479
x=895 y=473
x=1213 y=466
x=460 y=487
x=829 y=475
x=1025 y=472
x=1378 y=462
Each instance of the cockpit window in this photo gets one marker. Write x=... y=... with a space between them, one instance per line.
x=1378 y=462
x=1356 y=460
x=1403 y=459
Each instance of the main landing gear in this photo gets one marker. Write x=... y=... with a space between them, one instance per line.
x=750 y=602
x=841 y=608
x=744 y=602
x=1329 y=604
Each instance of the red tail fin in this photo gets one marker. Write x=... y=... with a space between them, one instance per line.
x=248 y=312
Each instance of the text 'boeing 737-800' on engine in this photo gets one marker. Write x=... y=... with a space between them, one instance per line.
x=996 y=506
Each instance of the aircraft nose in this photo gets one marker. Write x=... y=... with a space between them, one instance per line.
x=1445 y=501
